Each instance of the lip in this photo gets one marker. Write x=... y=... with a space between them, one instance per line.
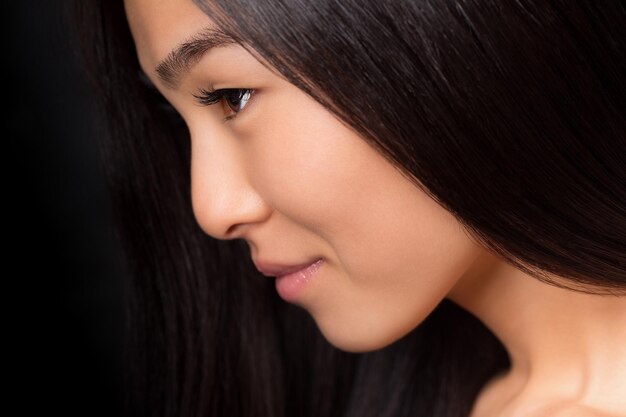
x=277 y=270
x=291 y=280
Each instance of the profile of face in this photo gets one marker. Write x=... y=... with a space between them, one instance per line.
x=298 y=185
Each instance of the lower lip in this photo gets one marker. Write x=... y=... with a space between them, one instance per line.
x=291 y=285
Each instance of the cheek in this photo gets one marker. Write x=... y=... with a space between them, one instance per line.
x=399 y=254
x=304 y=164
x=395 y=268
x=395 y=253
x=324 y=177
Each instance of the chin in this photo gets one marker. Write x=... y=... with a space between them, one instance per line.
x=360 y=337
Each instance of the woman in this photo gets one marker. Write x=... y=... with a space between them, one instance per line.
x=439 y=187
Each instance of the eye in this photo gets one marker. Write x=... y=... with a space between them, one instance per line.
x=235 y=99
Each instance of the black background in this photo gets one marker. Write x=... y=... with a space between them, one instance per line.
x=63 y=298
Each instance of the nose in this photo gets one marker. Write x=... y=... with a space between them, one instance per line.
x=225 y=204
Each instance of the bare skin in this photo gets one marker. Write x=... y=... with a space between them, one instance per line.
x=297 y=184
x=567 y=348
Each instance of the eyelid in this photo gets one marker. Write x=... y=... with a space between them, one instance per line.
x=209 y=97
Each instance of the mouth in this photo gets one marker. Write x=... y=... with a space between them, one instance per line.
x=291 y=280
x=277 y=270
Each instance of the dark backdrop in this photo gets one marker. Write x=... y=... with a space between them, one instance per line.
x=63 y=298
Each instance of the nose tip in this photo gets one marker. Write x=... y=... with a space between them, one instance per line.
x=228 y=215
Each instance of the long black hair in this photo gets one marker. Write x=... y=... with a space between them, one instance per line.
x=509 y=113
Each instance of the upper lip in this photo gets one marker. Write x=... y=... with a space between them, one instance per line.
x=275 y=270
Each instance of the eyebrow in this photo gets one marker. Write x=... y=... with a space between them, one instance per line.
x=187 y=54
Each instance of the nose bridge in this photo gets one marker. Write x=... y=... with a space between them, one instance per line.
x=223 y=199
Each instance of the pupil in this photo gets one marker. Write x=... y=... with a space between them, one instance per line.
x=234 y=97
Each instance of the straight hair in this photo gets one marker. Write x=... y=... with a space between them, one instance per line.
x=509 y=113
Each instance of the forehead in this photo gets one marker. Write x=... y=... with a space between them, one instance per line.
x=158 y=26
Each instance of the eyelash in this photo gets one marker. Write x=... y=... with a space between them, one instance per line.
x=210 y=97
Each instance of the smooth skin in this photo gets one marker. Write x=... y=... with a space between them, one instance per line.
x=297 y=184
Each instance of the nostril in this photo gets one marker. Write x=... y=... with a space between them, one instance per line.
x=230 y=231
x=234 y=231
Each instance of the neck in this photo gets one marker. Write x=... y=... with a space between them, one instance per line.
x=562 y=343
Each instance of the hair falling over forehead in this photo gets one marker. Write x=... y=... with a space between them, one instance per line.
x=510 y=114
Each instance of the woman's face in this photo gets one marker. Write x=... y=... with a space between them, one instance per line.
x=298 y=185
